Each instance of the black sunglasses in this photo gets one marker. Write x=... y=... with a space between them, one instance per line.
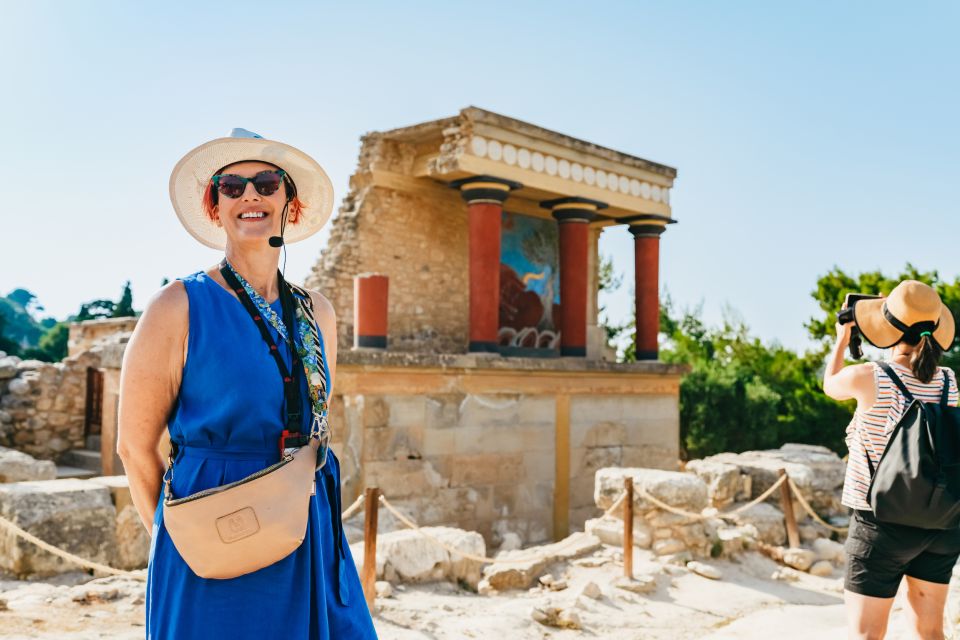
x=266 y=183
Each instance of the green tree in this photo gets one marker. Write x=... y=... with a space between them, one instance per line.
x=95 y=309
x=7 y=345
x=608 y=280
x=124 y=308
x=53 y=344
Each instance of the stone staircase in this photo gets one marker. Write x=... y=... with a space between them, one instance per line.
x=81 y=463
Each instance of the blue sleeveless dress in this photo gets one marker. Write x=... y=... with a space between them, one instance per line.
x=227 y=421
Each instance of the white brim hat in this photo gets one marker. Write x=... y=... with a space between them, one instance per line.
x=192 y=174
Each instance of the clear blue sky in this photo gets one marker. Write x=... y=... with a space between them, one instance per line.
x=806 y=135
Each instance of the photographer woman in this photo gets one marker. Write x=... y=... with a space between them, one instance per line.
x=916 y=327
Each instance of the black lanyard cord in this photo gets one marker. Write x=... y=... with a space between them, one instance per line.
x=291 y=388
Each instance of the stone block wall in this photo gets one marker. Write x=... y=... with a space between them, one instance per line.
x=416 y=238
x=87 y=334
x=43 y=404
x=468 y=447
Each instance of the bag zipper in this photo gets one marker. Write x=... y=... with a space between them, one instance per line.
x=209 y=492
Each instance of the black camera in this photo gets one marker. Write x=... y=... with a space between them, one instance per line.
x=845 y=316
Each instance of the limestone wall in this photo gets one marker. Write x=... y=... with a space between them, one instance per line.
x=416 y=238
x=473 y=443
x=43 y=404
x=85 y=335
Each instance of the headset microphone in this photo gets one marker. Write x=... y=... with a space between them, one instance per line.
x=275 y=241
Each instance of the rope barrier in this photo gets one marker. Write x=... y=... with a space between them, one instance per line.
x=813 y=514
x=66 y=555
x=350 y=511
x=410 y=524
x=700 y=516
x=353 y=509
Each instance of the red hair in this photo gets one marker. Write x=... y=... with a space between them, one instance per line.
x=209 y=202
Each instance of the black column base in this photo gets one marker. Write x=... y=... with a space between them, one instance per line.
x=477 y=346
x=372 y=342
x=648 y=355
x=576 y=352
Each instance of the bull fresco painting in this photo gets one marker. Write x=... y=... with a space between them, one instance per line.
x=529 y=285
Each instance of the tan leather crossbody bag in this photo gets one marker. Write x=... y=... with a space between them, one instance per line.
x=243 y=526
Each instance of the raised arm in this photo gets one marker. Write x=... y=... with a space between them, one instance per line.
x=149 y=383
x=850 y=382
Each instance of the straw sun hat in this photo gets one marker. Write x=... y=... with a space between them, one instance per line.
x=192 y=174
x=912 y=307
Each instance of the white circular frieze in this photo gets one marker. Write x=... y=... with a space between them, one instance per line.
x=551 y=165
x=563 y=169
x=576 y=172
x=635 y=188
x=589 y=175
x=665 y=196
x=624 y=184
x=645 y=190
x=612 y=181
x=479 y=146
x=510 y=154
x=601 y=178
x=536 y=161
x=655 y=193
x=523 y=158
x=495 y=150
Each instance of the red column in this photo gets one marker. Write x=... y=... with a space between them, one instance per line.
x=484 y=196
x=370 y=310
x=574 y=216
x=646 y=233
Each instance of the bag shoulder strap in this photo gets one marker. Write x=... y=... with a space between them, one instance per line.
x=945 y=394
x=896 y=380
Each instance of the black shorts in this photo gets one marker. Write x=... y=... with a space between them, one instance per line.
x=879 y=554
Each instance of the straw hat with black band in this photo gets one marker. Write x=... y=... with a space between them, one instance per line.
x=911 y=310
x=192 y=174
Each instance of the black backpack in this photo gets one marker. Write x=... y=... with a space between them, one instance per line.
x=917 y=481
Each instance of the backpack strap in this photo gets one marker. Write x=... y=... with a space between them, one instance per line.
x=896 y=380
x=945 y=396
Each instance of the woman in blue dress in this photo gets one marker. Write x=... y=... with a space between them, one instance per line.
x=200 y=365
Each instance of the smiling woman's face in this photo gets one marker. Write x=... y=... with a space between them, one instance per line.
x=252 y=217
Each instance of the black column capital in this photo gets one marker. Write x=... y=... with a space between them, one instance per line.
x=574 y=209
x=649 y=225
x=485 y=189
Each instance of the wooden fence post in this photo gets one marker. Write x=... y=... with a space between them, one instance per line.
x=628 y=528
x=786 y=501
x=368 y=577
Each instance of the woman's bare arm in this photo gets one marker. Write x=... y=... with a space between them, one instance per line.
x=149 y=383
x=848 y=382
x=326 y=319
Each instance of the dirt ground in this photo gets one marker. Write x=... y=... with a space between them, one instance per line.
x=746 y=603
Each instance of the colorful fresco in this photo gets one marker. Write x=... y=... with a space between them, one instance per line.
x=529 y=283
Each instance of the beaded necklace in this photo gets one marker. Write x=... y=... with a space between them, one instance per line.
x=307 y=348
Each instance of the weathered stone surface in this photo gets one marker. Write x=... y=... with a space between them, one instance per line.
x=705 y=570
x=682 y=490
x=610 y=531
x=133 y=540
x=8 y=367
x=828 y=550
x=592 y=591
x=639 y=584
x=722 y=480
x=823 y=568
x=383 y=588
x=799 y=559
x=73 y=515
x=503 y=575
x=817 y=471
x=408 y=556
x=556 y=617
x=768 y=521
x=16 y=466
x=668 y=546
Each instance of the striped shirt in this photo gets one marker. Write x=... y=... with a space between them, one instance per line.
x=869 y=430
